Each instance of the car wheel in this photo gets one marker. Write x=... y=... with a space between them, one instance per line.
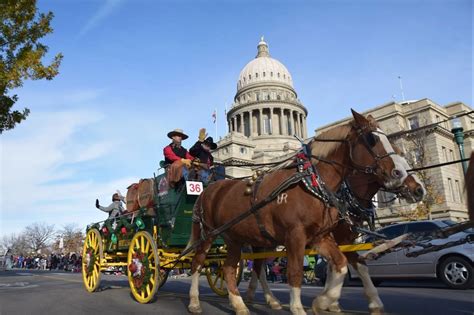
x=456 y=273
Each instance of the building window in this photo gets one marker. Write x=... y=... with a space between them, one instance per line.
x=278 y=97
x=451 y=189
x=445 y=153
x=244 y=79
x=250 y=76
x=451 y=153
x=271 y=74
x=257 y=96
x=413 y=122
x=263 y=73
x=243 y=150
x=278 y=74
x=438 y=119
x=268 y=97
x=256 y=75
x=459 y=191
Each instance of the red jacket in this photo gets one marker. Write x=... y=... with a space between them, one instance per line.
x=175 y=154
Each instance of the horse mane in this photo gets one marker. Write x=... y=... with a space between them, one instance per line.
x=323 y=149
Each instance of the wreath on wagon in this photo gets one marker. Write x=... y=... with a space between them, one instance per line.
x=90 y=260
x=140 y=270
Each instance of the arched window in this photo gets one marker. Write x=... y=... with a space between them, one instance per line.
x=250 y=76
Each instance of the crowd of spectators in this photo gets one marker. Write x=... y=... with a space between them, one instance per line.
x=66 y=262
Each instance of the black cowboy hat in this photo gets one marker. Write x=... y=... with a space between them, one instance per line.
x=177 y=132
x=210 y=142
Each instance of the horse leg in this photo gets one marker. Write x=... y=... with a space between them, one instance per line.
x=375 y=304
x=196 y=266
x=337 y=272
x=230 y=270
x=334 y=307
x=295 y=246
x=257 y=266
x=258 y=273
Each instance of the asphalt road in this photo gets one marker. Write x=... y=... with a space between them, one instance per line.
x=36 y=292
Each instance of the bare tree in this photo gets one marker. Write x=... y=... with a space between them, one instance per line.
x=72 y=237
x=414 y=144
x=16 y=243
x=38 y=235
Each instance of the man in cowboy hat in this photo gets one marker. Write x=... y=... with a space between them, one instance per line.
x=115 y=209
x=201 y=150
x=177 y=158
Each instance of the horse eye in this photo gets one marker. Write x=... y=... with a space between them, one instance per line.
x=371 y=139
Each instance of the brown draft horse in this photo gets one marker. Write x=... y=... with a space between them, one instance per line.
x=470 y=188
x=296 y=219
x=363 y=187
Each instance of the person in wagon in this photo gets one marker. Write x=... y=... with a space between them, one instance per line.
x=201 y=150
x=115 y=209
x=177 y=158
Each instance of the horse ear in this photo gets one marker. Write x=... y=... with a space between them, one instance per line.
x=359 y=119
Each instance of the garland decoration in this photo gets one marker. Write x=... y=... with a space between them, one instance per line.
x=140 y=270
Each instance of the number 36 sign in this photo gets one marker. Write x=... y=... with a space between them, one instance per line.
x=194 y=188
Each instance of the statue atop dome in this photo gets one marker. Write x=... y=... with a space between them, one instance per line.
x=262 y=49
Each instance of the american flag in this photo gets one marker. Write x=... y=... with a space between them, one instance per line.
x=214 y=116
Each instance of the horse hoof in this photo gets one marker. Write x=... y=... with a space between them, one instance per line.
x=243 y=312
x=274 y=305
x=298 y=311
x=335 y=308
x=195 y=309
x=377 y=311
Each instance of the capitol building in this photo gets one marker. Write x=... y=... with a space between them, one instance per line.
x=264 y=117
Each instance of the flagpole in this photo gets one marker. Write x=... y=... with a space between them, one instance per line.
x=215 y=111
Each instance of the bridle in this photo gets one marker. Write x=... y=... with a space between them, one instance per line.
x=374 y=168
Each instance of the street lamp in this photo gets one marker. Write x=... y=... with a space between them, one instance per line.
x=458 y=133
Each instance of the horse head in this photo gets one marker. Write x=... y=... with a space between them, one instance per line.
x=371 y=152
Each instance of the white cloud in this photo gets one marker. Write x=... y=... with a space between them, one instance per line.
x=39 y=169
x=104 y=11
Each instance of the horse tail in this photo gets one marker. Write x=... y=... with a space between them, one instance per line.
x=195 y=235
x=470 y=188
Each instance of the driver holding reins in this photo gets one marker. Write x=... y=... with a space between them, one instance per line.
x=177 y=158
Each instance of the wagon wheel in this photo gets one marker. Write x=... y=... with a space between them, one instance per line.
x=163 y=277
x=143 y=267
x=92 y=255
x=215 y=277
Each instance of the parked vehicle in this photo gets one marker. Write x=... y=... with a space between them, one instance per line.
x=453 y=265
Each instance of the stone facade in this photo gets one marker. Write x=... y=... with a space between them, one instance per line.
x=430 y=121
x=265 y=116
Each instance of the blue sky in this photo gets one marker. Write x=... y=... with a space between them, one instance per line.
x=133 y=70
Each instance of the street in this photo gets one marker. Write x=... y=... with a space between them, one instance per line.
x=44 y=292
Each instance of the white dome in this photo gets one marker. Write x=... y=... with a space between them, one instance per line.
x=264 y=69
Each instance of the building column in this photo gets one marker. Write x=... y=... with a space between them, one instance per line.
x=292 y=122
x=261 y=122
x=305 y=127
x=242 y=131
x=250 y=124
x=234 y=124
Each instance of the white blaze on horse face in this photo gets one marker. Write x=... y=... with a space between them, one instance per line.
x=396 y=159
x=282 y=198
x=415 y=178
